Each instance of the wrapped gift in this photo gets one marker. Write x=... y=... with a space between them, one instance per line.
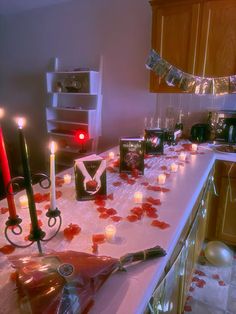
x=90 y=177
x=66 y=282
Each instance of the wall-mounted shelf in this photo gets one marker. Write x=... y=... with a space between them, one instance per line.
x=74 y=103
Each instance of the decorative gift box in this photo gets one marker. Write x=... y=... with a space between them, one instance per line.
x=90 y=177
x=131 y=155
x=154 y=139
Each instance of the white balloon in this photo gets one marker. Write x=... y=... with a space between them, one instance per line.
x=218 y=254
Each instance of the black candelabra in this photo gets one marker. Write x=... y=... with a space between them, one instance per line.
x=13 y=225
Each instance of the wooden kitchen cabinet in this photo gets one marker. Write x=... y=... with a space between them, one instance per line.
x=217 y=51
x=196 y=36
x=171 y=293
x=222 y=207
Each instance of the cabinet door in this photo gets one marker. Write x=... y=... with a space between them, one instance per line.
x=168 y=294
x=174 y=37
x=226 y=222
x=217 y=52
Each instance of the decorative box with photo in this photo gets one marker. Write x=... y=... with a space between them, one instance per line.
x=90 y=177
x=131 y=155
x=154 y=141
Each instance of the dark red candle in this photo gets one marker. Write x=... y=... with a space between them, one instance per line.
x=6 y=175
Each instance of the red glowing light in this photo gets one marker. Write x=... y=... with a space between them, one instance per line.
x=81 y=136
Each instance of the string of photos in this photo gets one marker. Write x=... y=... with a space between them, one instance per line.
x=188 y=82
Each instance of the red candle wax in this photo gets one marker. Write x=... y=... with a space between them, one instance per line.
x=7 y=177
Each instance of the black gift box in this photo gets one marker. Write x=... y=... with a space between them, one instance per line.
x=131 y=155
x=154 y=141
x=90 y=177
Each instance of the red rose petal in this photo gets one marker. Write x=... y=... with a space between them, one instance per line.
x=137 y=211
x=159 y=224
x=116 y=218
x=110 y=197
x=70 y=231
x=38 y=198
x=101 y=209
x=195 y=279
x=191 y=289
x=154 y=188
x=98 y=238
x=131 y=181
x=116 y=163
x=164 y=190
x=154 y=201
x=111 y=169
x=58 y=194
x=111 y=211
x=4 y=210
x=117 y=183
x=163 y=168
x=187 y=308
x=100 y=202
x=104 y=215
x=221 y=283
x=201 y=283
x=146 y=206
x=216 y=276
x=39 y=212
x=144 y=183
x=151 y=214
x=7 y=249
x=135 y=173
x=132 y=218
x=95 y=248
x=47 y=206
x=14 y=276
x=124 y=176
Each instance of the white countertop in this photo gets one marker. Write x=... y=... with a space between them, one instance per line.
x=126 y=292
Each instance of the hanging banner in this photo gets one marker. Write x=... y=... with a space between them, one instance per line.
x=188 y=82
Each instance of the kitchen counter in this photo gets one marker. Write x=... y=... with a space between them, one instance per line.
x=125 y=292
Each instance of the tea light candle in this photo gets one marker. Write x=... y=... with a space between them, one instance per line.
x=110 y=233
x=67 y=178
x=23 y=201
x=111 y=155
x=194 y=147
x=162 y=178
x=182 y=156
x=138 y=197
x=173 y=167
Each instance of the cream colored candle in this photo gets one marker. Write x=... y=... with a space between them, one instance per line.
x=161 y=178
x=67 y=178
x=111 y=155
x=23 y=199
x=194 y=147
x=138 y=197
x=182 y=156
x=173 y=167
x=110 y=233
x=52 y=176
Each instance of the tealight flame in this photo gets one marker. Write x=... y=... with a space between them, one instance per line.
x=20 y=122
x=1 y=112
x=53 y=147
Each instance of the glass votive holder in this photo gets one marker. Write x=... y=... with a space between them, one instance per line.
x=110 y=233
x=67 y=178
x=174 y=167
x=161 y=178
x=23 y=199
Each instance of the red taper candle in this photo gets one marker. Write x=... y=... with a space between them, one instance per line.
x=6 y=174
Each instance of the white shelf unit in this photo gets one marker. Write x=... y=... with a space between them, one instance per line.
x=74 y=103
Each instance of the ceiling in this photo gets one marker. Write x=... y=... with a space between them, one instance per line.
x=16 y=6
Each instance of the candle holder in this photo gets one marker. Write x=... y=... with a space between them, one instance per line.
x=13 y=225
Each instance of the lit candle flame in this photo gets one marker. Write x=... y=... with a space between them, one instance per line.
x=20 y=122
x=53 y=147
